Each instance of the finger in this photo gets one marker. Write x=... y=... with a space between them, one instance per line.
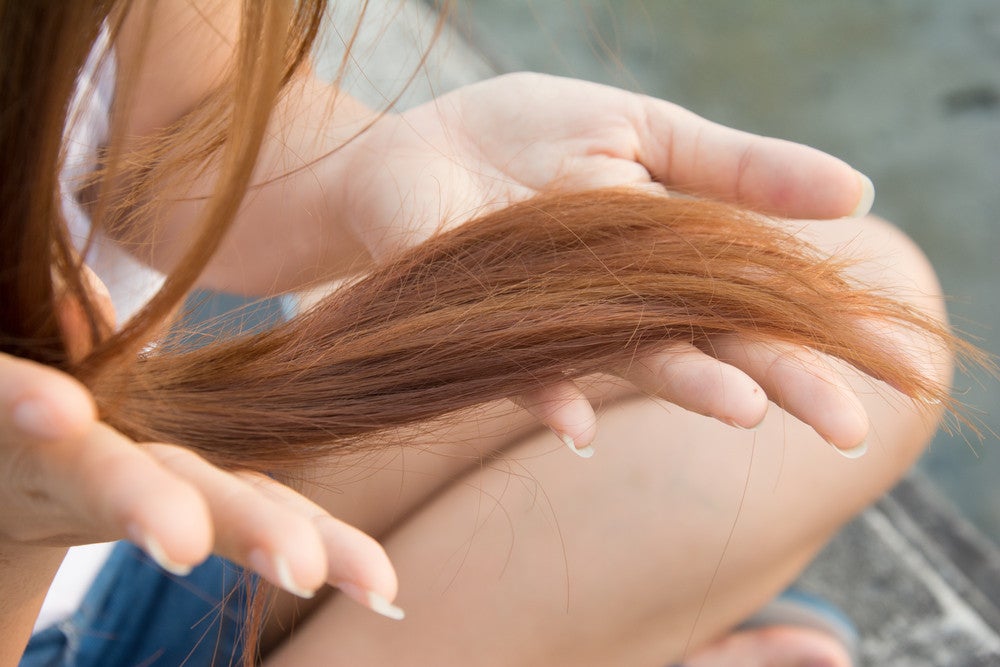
x=564 y=408
x=804 y=384
x=41 y=402
x=689 y=378
x=105 y=487
x=73 y=480
x=689 y=153
x=251 y=528
x=356 y=563
x=591 y=172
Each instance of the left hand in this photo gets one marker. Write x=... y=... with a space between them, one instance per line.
x=506 y=139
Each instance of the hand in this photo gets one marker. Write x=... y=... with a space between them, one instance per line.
x=69 y=479
x=506 y=139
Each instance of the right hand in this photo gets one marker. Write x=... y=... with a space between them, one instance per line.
x=67 y=478
x=507 y=139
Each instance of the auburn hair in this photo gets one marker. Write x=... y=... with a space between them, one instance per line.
x=561 y=286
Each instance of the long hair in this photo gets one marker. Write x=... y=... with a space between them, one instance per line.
x=564 y=285
x=44 y=48
x=561 y=286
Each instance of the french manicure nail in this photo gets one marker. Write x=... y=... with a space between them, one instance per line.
x=582 y=452
x=853 y=452
x=372 y=600
x=864 y=206
x=734 y=424
x=277 y=570
x=155 y=550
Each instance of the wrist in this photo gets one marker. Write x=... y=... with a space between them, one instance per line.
x=356 y=173
x=26 y=571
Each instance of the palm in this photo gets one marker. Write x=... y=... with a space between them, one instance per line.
x=493 y=143
x=505 y=139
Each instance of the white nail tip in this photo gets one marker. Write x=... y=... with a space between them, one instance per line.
x=864 y=206
x=582 y=452
x=155 y=551
x=372 y=600
x=284 y=574
x=854 y=452
x=732 y=422
x=277 y=570
x=380 y=605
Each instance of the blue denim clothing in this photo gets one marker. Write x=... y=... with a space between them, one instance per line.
x=137 y=615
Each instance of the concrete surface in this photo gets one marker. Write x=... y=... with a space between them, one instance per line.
x=921 y=584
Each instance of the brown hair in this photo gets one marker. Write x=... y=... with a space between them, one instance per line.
x=44 y=47
x=561 y=286
x=564 y=285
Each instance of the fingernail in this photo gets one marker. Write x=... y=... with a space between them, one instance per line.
x=154 y=550
x=734 y=424
x=864 y=206
x=36 y=418
x=372 y=600
x=853 y=452
x=582 y=452
x=277 y=571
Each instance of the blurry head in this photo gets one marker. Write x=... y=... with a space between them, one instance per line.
x=43 y=48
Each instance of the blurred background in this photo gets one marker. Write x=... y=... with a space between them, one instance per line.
x=907 y=91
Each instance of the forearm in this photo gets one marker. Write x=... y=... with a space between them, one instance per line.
x=25 y=575
x=290 y=229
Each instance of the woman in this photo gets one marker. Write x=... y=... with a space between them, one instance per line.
x=678 y=529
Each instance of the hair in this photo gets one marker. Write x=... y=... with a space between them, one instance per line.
x=44 y=48
x=562 y=286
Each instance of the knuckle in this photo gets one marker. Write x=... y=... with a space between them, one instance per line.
x=174 y=457
x=743 y=167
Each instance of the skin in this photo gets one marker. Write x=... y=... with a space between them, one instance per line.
x=676 y=530
x=71 y=479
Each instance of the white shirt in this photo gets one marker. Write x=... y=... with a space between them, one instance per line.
x=130 y=282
